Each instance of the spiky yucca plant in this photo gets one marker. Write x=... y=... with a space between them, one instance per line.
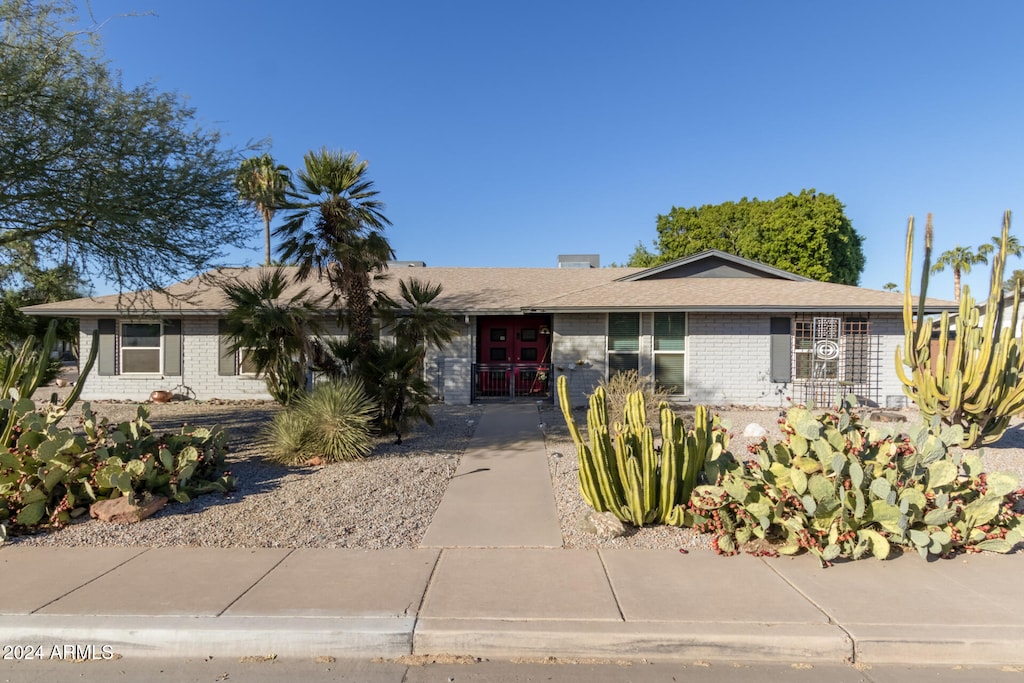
x=332 y=423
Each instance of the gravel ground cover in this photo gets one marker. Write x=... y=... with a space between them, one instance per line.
x=1005 y=455
x=384 y=501
x=388 y=499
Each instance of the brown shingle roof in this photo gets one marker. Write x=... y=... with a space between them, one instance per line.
x=513 y=290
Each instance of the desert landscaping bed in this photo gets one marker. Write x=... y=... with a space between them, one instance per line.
x=384 y=501
x=388 y=499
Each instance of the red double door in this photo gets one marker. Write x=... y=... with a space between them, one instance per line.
x=514 y=353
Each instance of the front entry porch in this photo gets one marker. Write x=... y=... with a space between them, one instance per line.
x=513 y=358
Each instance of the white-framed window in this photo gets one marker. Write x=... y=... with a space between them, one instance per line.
x=141 y=348
x=623 y=342
x=670 y=352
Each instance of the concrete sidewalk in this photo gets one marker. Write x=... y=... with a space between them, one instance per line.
x=510 y=602
x=506 y=603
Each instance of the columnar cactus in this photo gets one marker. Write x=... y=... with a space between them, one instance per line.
x=22 y=373
x=979 y=385
x=627 y=474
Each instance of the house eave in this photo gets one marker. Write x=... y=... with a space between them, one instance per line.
x=728 y=309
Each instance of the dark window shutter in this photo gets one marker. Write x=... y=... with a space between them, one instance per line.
x=781 y=345
x=226 y=362
x=106 y=356
x=172 y=347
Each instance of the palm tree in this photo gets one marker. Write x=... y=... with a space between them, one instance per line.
x=1013 y=246
x=274 y=329
x=335 y=228
x=401 y=394
x=959 y=259
x=416 y=321
x=1015 y=281
x=265 y=185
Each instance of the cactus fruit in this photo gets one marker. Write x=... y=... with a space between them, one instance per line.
x=836 y=488
x=976 y=379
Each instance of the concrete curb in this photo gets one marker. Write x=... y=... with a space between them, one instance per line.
x=634 y=640
x=939 y=645
x=215 y=636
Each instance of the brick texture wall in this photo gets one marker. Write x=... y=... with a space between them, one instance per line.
x=199 y=378
x=727 y=361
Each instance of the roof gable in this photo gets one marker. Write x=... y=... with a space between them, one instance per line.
x=713 y=263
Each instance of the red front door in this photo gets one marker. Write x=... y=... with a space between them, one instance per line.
x=517 y=339
x=514 y=353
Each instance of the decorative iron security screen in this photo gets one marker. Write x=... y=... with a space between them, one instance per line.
x=835 y=356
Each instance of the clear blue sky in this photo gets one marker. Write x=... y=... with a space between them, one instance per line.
x=505 y=133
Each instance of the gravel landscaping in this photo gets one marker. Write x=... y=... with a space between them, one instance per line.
x=1005 y=455
x=386 y=500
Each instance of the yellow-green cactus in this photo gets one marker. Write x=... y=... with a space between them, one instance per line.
x=627 y=475
x=980 y=384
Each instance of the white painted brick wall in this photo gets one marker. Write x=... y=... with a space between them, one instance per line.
x=728 y=361
x=449 y=370
x=200 y=351
x=889 y=328
x=728 y=356
x=579 y=337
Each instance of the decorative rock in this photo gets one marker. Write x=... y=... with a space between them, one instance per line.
x=880 y=416
x=121 y=511
x=604 y=525
x=755 y=430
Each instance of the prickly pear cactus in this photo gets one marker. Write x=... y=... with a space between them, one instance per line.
x=839 y=488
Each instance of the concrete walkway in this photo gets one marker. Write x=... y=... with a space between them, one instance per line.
x=500 y=496
x=522 y=600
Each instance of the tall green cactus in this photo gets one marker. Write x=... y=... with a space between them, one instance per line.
x=23 y=372
x=626 y=475
x=980 y=385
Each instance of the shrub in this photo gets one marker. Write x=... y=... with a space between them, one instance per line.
x=621 y=385
x=842 y=489
x=333 y=423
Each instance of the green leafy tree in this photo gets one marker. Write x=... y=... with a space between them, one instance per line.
x=119 y=181
x=335 y=229
x=38 y=285
x=642 y=257
x=808 y=234
x=273 y=324
x=263 y=184
x=959 y=260
x=891 y=287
